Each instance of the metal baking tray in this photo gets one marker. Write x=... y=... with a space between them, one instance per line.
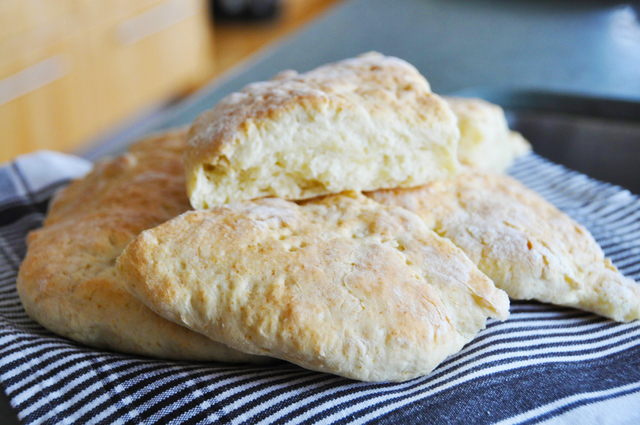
x=596 y=136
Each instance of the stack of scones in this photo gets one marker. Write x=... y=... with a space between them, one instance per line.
x=347 y=220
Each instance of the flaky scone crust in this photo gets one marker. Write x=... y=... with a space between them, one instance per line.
x=341 y=285
x=67 y=281
x=527 y=246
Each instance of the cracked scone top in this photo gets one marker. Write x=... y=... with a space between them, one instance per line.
x=361 y=124
x=341 y=285
x=67 y=281
x=527 y=246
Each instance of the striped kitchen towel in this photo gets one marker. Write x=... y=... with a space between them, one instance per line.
x=544 y=364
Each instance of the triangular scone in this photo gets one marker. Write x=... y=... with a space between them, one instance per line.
x=341 y=285
x=360 y=124
x=68 y=281
x=527 y=246
x=485 y=138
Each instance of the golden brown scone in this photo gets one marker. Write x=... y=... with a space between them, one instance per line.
x=341 y=285
x=114 y=182
x=527 y=246
x=68 y=282
x=485 y=138
x=360 y=124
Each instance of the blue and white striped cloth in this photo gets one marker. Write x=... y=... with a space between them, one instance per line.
x=544 y=364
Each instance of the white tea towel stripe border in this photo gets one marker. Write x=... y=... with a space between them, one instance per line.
x=544 y=364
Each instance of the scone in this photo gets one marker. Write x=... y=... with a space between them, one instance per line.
x=68 y=281
x=527 y=246
x=485 y=138
x=360 y=124
x=341 y=285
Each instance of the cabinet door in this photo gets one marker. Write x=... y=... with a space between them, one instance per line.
x=149 y=56
x=44 y=91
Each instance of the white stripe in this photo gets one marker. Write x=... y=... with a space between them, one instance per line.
x=462 y=357
x=622 y=249
x=52 y=395
x=489 y=341
x=11 y=304
x=543 y=330
x=89 y=406
x=463 y=377
x=227 y=409
x=26 y=323
x=531 y=414
x=421 y=394
x=254 y=395
x=551 y=326
x=580 y=337
x=210 y=388
x=576 y=186
x=42 y=168
x=5 y=360
x=620 y=238
x=629 y=261
x=219 y=398
x=623 y=213
x=623 y=254
x=105 y=413
x=601 y=412
x=15 y=315
x=633 y=273
x=14 y=389
x=7 y=273
x=6 y=248
x=73 y=357
x=607 y=203
x=602 y=229
x=62 y=405
x=492 y=342
x=12 y=313
x=8 y=283
x=607 y=210
x=56 y=395
x=278 y=399
x=72 y=418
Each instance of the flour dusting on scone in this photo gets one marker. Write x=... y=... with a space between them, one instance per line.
x=361 y=124
x=527 y=246
x=342 y=284
x=67 y=281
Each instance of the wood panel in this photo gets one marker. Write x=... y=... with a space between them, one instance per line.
x=70 y=69
x=44 y=102
x=145 y=57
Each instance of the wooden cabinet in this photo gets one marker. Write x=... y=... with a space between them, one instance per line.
x=18 y=17
x=44 y=90
x=139 y=57
x=70 y=69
